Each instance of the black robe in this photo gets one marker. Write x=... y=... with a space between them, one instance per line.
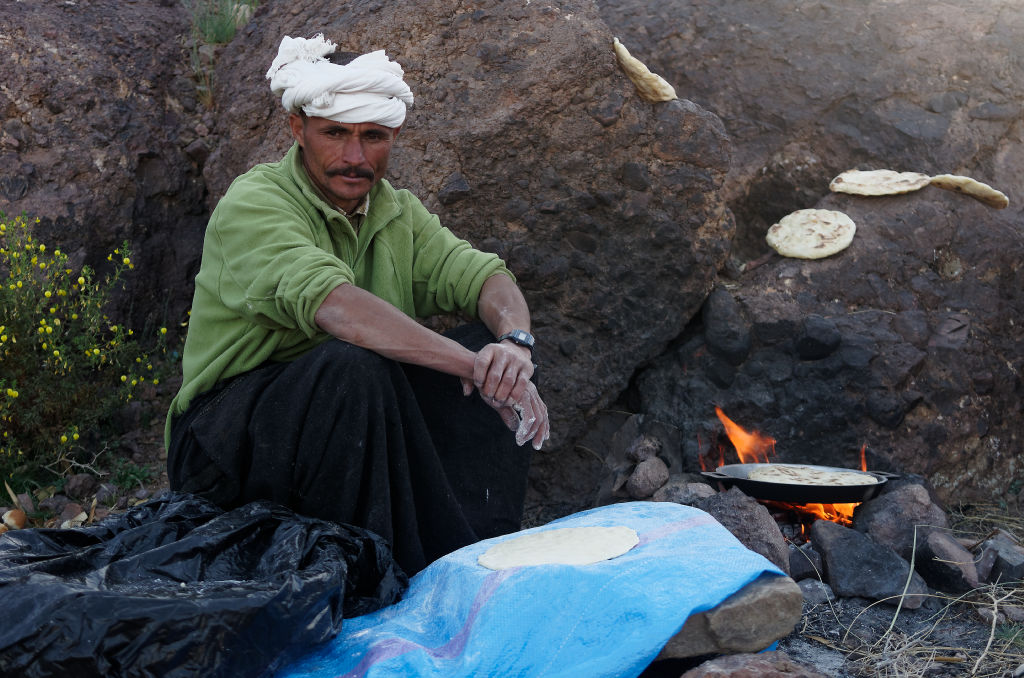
x=347 y=435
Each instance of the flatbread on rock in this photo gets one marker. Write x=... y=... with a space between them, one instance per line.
x=973 y=188
x=808 y=475
x=650 y=86
x=811 y=234
x=878 y=182
x=562 y=546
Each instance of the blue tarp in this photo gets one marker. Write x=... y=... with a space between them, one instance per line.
x=606 y=619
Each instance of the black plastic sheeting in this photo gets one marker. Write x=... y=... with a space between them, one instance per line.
x=179 y=587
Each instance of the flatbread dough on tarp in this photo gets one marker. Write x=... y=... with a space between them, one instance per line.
x=605 y=620
x=564 y=546
x=811 y=234
x=973 y=188
x=878 y=182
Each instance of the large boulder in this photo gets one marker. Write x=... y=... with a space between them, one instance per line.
x=808 y=90
x=98 y=139
x=908 y=341
x=527 y=139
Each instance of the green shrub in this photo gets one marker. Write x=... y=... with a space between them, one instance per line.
x=65 y=368
x=215 y=21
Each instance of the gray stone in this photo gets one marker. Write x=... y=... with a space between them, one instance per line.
x=1008 y=564
x=857 y=566
x=773 y=664
x=750 y=620
x=816 y=592
x=648 y=476
x=890 y=519
x=945 y=564
x=682 y=491
x=80 y=485
x=805 y=563
x=750 y=522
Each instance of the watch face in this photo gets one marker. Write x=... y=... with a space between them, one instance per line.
x=521 y=337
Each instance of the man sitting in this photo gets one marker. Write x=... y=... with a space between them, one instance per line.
x=307 y=380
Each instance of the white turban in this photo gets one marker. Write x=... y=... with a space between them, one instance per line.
x=370 y=88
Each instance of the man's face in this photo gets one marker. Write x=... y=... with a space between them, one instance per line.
x=343 y=159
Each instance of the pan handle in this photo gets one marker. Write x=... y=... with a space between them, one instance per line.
x=884 y=474
x=716 y=474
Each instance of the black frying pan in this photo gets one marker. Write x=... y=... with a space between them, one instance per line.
x=736 y=475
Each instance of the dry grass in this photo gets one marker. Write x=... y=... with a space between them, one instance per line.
x=965 y=635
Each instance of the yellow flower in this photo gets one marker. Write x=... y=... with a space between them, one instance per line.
x=47 y=294
x=74 y=436
x=12 y=393
x=42 y=248
x=163 y=330
x=126 y=261
x=49 y=330
x=156 y=381
x=124 y=378
x=74 y=316
x=81 y=280
x=56 y=354
x=64 y=439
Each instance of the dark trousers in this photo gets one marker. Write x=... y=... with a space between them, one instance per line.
x=346 y=435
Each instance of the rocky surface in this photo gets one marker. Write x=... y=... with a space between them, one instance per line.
x=99 y=124
x=750 y=620
x=907 y=341
x=808 y=90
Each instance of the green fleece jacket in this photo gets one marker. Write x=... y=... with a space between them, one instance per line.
x=273 y=251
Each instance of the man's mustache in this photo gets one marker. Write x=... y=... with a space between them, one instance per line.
x=352 y=173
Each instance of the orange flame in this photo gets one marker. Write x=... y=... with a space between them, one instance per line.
x=863 y=461
x=752 y=447
x=837 y=513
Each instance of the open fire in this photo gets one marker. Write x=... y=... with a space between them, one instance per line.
x=753 y=447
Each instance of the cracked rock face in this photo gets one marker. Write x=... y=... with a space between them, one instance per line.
x=98 y=114
x=908 y=341
x=527 y=139
x=809 y=91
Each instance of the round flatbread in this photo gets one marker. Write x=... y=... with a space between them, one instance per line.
x=562 y=546
x=878 y=182
x=811 y=234
x=650 y=86
x=808 y=475
x=973 y=188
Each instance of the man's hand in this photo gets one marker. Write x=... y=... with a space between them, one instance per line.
x=527 y=417
x=501 y=373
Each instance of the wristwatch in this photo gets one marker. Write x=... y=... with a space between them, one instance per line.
x=521 y=337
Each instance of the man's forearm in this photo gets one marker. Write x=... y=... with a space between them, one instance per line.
x=361 y=318
x=502 y=307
